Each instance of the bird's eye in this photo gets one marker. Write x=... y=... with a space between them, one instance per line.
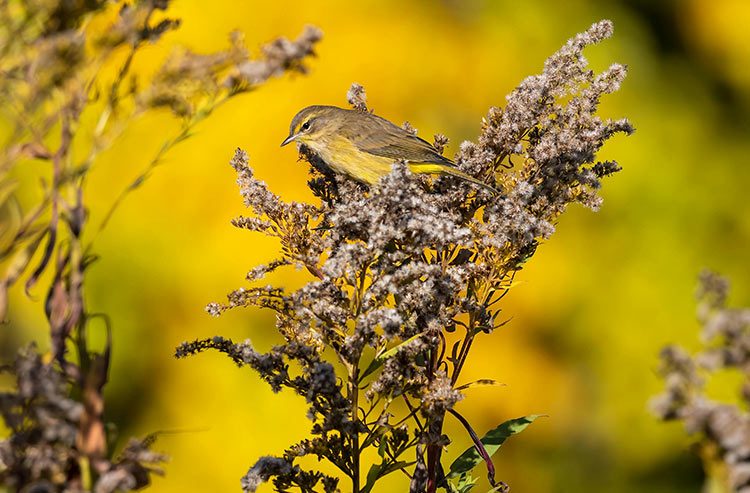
x=305 y=126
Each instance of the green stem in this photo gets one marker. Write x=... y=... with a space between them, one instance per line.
x=85 y=465
x=354 y=399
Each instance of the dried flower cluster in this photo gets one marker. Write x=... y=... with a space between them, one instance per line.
x=188 y=81
x=45 y=448
x=409 y=272
x=724 y=429
x=57 y=94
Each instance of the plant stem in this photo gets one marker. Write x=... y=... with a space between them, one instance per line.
x=354 y=399
x=434 y=451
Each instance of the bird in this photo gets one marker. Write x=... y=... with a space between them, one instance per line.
x=365 y=146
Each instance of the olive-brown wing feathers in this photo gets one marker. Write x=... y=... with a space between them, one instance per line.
x=382 y=138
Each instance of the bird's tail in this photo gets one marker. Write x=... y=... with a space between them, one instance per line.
x=444 y=169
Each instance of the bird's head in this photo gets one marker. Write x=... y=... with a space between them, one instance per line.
x=313 y=124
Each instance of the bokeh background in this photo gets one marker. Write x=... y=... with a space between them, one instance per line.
x=592 y=308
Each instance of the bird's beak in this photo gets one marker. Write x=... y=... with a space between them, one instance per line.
x=289 y=139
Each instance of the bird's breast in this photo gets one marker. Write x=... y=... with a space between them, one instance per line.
x=342 y=156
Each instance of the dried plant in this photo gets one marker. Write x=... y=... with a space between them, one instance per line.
x=723 y=429
x=57 y=96
x=407 y=274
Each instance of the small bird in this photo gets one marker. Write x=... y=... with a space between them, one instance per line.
x=364 y=146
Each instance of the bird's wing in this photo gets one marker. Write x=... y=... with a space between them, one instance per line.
x=400 y=144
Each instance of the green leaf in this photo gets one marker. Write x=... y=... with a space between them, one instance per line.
x=466 y=483
x=377 y=471
x=383 y=448
x=376 y=434
x=378 y=361
x=500 y=487
x=492 y=442
x=372 y=475
x=481 y=383
x=463 y=484
x=395 y=466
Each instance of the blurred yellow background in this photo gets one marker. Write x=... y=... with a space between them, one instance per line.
x=594 y=305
